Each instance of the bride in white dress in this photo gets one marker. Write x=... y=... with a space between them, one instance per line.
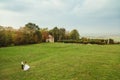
x=26 y=67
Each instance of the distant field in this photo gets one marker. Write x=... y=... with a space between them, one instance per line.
x=58 y=61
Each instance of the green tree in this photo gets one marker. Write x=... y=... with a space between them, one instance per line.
x=111 y=41
x=37 y=37
x=2 y=36
x=74 y=34
x=62 y=33
x=67 y=35
x=32 y=26
x=55 y=33
x=34 y=33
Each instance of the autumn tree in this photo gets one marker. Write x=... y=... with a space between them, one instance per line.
x=18 y=38
x=2 y=36
x=45 y=33
x=34 y=32
x=29 y=34
x=8 y=35
x=5 y=36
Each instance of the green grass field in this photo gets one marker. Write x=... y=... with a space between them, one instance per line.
x=58 y=61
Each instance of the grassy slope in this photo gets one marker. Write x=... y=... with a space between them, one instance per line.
x=61 y=62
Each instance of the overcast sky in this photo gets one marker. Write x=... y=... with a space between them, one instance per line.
x=87 y=16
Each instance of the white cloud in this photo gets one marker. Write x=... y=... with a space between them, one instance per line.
x=71 y=13
x=89 y=7
x=94 y=4
x=9 y=18
x=46 y=4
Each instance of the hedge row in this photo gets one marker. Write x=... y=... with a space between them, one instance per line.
x=90 y=41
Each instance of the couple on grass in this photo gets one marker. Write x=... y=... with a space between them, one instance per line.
x=25 y=66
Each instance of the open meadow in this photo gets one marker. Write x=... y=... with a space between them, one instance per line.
x=59 y=61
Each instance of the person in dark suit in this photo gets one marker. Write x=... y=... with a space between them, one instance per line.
x=22 y=65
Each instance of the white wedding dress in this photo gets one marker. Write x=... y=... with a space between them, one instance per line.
x=26 y=67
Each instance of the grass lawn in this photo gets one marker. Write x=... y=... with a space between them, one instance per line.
x=58 y=61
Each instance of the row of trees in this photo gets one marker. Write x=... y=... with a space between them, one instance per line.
x=96 y=41
x=25 y=35
x=62 y=34
x=85 y=40
x=31 y=33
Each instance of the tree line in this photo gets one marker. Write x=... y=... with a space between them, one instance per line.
x=85 y=40
x=31 y=34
